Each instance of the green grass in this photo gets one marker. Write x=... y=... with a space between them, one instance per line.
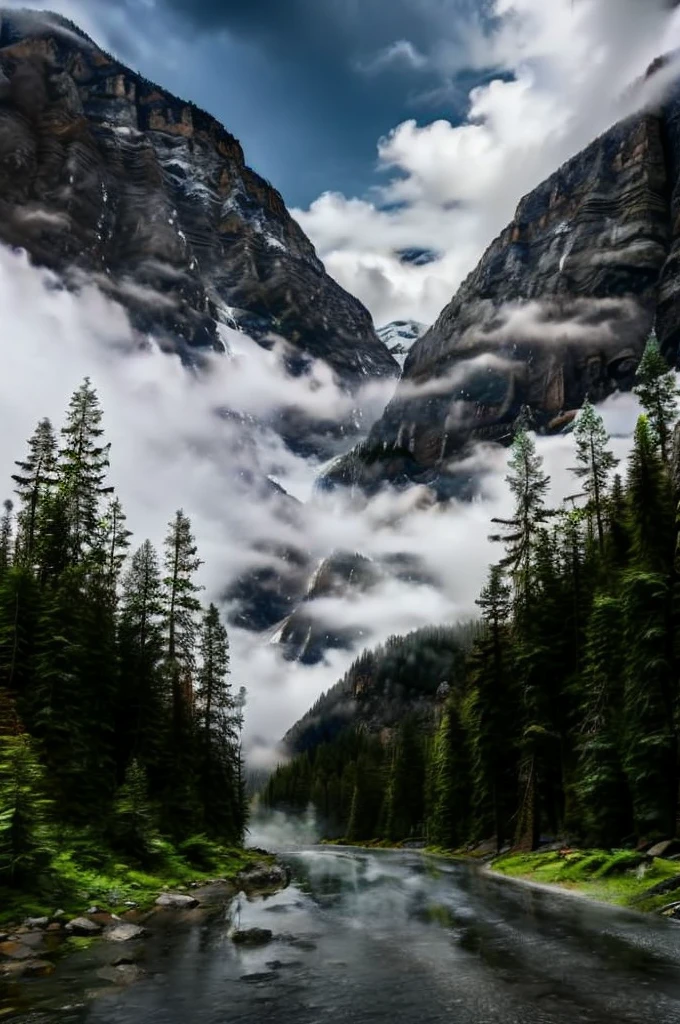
x=83 y=873
x=622 y=877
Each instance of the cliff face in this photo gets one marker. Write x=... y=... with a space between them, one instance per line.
x=558 y=308
x=107 y=176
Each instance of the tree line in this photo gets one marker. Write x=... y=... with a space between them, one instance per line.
x=565 y=720
x=117 y=717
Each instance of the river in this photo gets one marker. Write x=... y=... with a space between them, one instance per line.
x=394 y=937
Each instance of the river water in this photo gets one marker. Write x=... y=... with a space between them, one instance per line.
x=394 y=937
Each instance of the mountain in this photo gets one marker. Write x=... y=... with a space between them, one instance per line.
x=106 y=177
x=399 y=337
x=559 y=307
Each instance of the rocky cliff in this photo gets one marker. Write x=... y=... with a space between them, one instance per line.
x=106 y=176
x=558 y=308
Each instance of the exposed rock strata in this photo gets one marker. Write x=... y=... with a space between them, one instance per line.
x=558 y=308
x=106 y=176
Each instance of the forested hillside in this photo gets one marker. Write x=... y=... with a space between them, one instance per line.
x=119 y=731
x=564 y=718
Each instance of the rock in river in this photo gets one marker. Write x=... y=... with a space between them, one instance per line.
x=177 y=900
x=124 y=932
x=252 y=937
x=83 y=926
x=263 y=876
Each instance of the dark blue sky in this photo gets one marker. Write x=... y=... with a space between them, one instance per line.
x=294 y=79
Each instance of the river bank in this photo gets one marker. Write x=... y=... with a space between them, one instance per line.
x=626 y=878
x=120 y=904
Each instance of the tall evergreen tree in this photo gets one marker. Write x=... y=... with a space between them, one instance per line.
x=181 y=606
x=143 y=708
x=529 y=487
x=658 y=391
x=218 y=725
x=83 y=465
x=35 y=480
x=595 y=462
x=495 y=739
x=6 y=537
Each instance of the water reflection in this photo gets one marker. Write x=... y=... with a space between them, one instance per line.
x=381 y=936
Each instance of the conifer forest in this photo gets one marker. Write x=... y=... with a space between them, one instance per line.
x=559 y=714
x=119 y=727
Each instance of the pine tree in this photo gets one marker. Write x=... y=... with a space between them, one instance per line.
x=449 y=782
x=651 y=513
x=83 y=464
x=602 y=792
x=143 y=719
x=406 y=779
x=494 y=710
x=181 y=634
x=529 y=486
x=36 y=479
x=24 y=808
x=219 y=724
x=134 y=827
x=114 y=541
x=658 y=392
x=6 y=532
x=594 y=464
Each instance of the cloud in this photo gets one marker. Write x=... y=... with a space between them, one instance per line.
x=172 y=448
x=401 y=53
x=563 y=75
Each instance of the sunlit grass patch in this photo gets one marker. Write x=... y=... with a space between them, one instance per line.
x=623 y=877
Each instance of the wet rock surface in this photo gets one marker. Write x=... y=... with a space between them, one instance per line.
x=559 y=307
x=105 y=176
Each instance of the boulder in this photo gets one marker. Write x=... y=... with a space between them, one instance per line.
x=122 y=974
x=252 y=937
x=176 y=900
x=83 y=926
x=27 y=969
x=14 y=950
x=124 y=932
x=263 y=876
x=666 y=849
x=37 y=922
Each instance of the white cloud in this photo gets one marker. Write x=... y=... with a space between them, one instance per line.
x=402 y=53
x=565 y=71
x=171 y=449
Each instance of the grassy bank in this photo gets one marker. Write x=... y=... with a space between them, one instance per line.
x=81 y=874
x=621 y=877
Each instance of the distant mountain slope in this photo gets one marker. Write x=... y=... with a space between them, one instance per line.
x=400 y=336
x=559 y=307
x=106 y=176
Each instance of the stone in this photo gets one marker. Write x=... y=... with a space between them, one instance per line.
x=124 y=932
x=37 y=922
x=55 y=926
x=252 y=936
x=261 y=877
x=176 y=900
x=121 y=974
x=27 y=969
x=83 y=926
x=666 y=849
x=14 y=950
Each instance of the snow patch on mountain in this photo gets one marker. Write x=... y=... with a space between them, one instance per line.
x=399 y=337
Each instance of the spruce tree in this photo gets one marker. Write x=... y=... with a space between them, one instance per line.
x=35 y=480
x=651 y=512
x=406 y=779
x=218 y=723
x=658 y=392
x=6 y=538
x=528 y=486
x=594 y=464
x=143 y=710
x=25 y=846
x=495 y=739
x=180 y=608
x=448 y=819
x=83 y=465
